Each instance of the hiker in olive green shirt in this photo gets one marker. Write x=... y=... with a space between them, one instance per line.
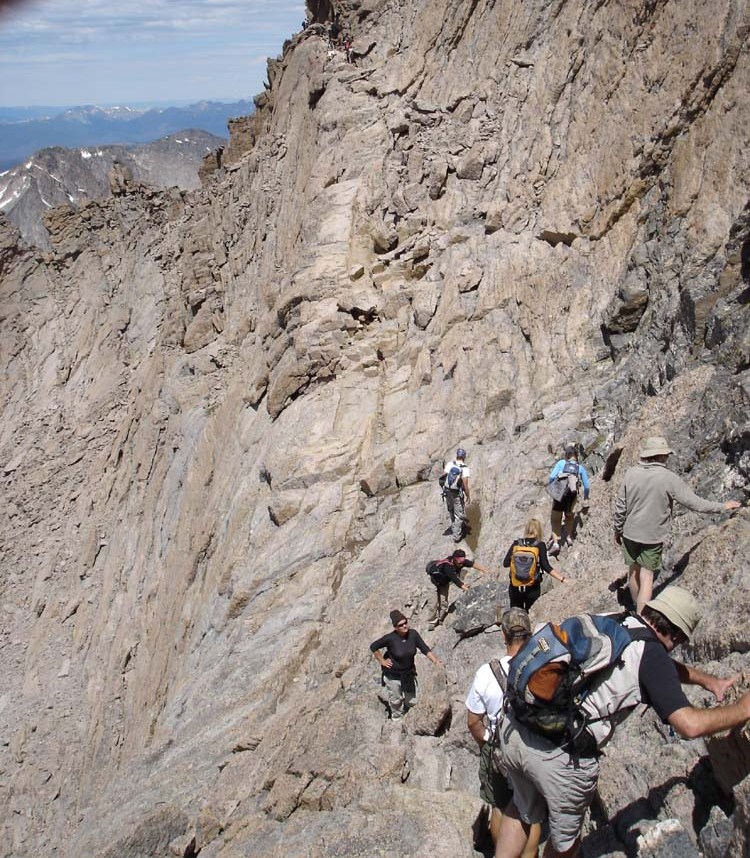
x=643 y=515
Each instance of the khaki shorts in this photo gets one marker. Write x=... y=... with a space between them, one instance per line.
x=494 y=788
x=548 y=782
x=646 y=555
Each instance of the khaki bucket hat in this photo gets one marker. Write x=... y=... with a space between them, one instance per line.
x=680 y=607
x=655 y=446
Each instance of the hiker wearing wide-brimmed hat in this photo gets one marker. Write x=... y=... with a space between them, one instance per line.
x=643 y=514
x=555 y=779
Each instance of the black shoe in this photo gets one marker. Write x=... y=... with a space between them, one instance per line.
x=447 y=531
x=617 y=583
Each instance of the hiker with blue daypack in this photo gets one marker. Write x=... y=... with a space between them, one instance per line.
x=442 y=574
x=563 y=485
x=527 y=561
x=455 y=484
x=484 y=713
x=570 y=686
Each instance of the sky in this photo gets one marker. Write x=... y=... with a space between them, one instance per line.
x=128 y=52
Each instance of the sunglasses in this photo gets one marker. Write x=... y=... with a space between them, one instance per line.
x=402 y=624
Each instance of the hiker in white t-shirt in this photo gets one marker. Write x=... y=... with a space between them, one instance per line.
x=457 y=493
x=484 y=705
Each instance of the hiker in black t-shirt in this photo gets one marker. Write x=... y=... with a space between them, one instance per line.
x=443 y=573
x=399 y=675
x=557 y=781
x=527 y=566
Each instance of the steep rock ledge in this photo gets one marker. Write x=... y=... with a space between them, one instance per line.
x=224 y=410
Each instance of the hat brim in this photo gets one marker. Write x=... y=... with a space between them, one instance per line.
x=650 y=452
x=674 y=616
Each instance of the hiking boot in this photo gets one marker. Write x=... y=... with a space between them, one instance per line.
x=448 y=530
x=554 y=549
x=569 y=541
x=617 y=583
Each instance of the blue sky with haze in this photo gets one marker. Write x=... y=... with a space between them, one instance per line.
x=71 y=52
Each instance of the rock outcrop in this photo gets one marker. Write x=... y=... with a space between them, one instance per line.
x=507 y=226
x=73 y=177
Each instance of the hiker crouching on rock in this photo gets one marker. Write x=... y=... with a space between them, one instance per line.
x=558 y=779
x=527 y=560
x=399 y=675
x=643 y=515
x=484 y=707
x=442 y=574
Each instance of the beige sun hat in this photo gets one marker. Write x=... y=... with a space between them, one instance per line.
x=680 y=607
x=655 y=446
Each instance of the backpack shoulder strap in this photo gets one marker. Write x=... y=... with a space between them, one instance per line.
x=499 y=674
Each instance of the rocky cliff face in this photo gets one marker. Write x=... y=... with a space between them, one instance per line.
x=507 y=226
x=58 y=176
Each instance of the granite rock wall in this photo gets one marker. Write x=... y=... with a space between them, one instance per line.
x=224 y=412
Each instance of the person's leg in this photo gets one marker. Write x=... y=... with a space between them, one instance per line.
x=450 y=498
x=634 y=581
x=496 y=818
x=459 y=517
x=434 y=617
x=570 y=525
x=645 y=590
x=442 y=595
x=494 y=789
x=531 y=849
x=395 y=697
x=512 y=834
x=515 y=597
x=555 y=523
x=409 y=691
x=530 y=595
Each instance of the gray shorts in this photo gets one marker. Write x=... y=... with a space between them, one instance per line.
x=548 y=782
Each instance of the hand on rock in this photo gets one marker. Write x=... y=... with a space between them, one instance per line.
x=719 y=687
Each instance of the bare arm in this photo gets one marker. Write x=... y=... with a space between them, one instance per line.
x=558 y=576
x=693 y=676
x=475 y=723
x=691 y=723
x=480 y=568
x=433 y=658
x=467 y=493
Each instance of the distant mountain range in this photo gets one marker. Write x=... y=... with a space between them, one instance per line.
x=58 y=176
x=24 y=131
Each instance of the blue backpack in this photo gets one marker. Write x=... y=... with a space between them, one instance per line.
x=453 y=478
x=549 y=678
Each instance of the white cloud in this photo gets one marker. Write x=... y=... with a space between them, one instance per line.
x=126 y=39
